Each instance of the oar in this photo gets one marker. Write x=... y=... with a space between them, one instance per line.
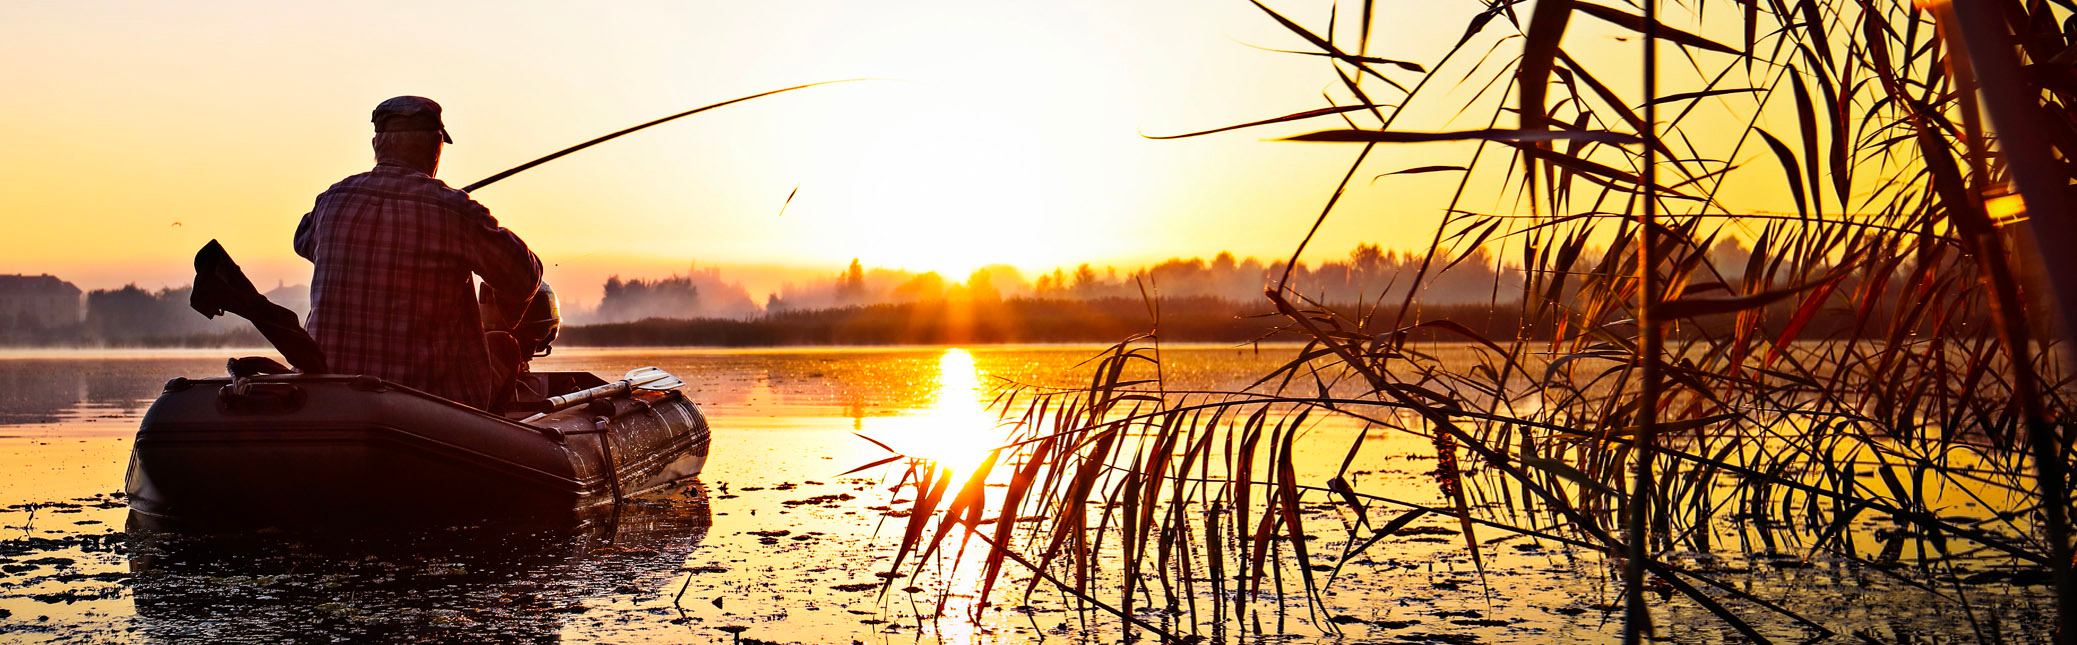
x=649 y=378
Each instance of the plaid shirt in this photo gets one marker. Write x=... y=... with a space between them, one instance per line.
x=391 y=295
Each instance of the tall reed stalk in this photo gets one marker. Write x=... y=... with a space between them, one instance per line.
x=1637 y=622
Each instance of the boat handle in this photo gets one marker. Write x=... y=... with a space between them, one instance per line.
x=245 y=397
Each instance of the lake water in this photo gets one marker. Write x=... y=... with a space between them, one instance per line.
x=771 y=543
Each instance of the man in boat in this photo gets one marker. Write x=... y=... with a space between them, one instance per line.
x=394 y=249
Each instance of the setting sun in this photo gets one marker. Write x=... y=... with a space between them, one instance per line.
x=990 y=134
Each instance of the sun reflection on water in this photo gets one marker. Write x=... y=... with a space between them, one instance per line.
x=957 y=430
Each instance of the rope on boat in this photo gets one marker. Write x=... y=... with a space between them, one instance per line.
x=606 y=436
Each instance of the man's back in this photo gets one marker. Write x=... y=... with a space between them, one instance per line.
x=391 y=296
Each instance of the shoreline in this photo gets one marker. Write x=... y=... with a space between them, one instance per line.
x=145 y=353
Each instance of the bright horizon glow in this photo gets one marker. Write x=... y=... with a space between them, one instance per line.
x=1006 y=134
x=912 y=196
x=1009 y=133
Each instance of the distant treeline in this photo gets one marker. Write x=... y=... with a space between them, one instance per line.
x=1194 y=319
x=1215 y=301
x=1005 y=321
x=1367 y=271
x=136 y=317
x=1017 y=320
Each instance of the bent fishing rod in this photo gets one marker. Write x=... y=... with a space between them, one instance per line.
x=565 y=151
x=221 y=286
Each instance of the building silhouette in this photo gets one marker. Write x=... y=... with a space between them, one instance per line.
x=39 y=301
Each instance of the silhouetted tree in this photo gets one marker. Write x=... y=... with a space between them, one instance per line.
x=928 y=286
x=981 y=286
x=673 y=297
x=851 y=285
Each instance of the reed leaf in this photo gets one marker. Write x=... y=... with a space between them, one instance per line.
x=1637 y=24
x=1525 y=136
x=1296 y=116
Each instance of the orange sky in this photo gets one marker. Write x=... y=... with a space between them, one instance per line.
x=136 y=131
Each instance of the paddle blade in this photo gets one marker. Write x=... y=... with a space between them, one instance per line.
x=652 y=378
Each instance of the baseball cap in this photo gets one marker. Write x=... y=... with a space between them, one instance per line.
x=410 y=114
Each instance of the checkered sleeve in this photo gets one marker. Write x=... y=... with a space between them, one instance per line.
x=505 y=262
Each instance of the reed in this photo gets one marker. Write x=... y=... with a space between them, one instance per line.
x=1897 y=340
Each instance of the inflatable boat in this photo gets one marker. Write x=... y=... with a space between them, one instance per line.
x=325 y=449
x=274 y=445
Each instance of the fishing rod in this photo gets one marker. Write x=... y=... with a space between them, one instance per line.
x=221 y=286
x=565 y=151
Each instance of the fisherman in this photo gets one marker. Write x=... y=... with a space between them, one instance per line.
x=394 y=249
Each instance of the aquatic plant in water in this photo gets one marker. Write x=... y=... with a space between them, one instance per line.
x=1876 y=378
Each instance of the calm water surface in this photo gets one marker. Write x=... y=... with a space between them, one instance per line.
x=770 y=543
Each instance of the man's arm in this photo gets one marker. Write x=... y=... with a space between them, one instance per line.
x=504 y=261
x=306 y=236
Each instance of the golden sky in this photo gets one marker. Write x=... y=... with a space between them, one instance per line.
x=137 y=131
